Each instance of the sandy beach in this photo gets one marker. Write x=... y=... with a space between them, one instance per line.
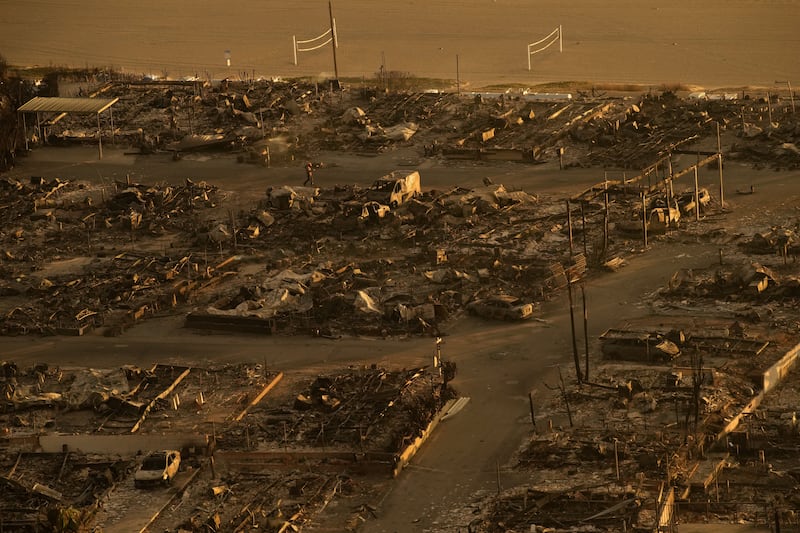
x=714 y=44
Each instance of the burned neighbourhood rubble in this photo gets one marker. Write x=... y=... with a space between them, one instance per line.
x=691 y=419
x=282 y=446
x=687 y=415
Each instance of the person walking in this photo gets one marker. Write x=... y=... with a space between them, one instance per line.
x=309 y=174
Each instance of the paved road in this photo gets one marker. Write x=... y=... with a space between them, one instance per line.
x=498 y=366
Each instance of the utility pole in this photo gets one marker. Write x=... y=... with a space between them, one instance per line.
x=384 y=75
x=572 y=324
x=458 y=78
x=334 y=41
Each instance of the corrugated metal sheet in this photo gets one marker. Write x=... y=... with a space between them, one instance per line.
x=67 y=105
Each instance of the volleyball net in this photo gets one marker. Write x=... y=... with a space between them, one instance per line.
x=309 y=45
x=543 y=44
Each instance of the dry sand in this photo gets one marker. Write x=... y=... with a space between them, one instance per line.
x=715 y=43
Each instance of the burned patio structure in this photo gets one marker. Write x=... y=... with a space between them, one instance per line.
x=60 y=107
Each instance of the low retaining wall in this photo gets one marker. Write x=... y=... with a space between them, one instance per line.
x=120 y=444
x=770 y=379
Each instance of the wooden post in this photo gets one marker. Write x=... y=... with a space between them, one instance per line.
x=696 y=197
x=233 y=228
x=533 y=417
x=25 y=131
x=572 y=326
x=564 y=396
x=669 y=163
x=585 y=334
x=497 y=464
x=99 y=139
x=719 y=162
x=769 y=108
x=583 y=228
x=741 y=116
x=644 y=220
x=569 y=228
x=605 y=218
x=668 y=201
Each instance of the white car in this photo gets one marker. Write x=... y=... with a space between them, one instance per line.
x=158 y=468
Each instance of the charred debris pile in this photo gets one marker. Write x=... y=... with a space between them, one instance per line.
x=334 y=260
x=688 y=417
x=272 y=121
x=685 y=420
x=256 y=445
x=339 y=261
x=76 y=255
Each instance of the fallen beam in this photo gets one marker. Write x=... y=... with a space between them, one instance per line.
x=161 y=396
x=258 y=398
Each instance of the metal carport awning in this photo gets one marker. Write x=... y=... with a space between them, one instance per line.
x=85 y=106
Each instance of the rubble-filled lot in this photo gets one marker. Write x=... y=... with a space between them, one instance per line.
x=274 y=454
x=685 y=419
x=79 y=256
x=329 y=262
x=273 y=121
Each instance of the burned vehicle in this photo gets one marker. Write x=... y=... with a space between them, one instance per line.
x=501 y=307
x=158 y=468
x=395 y=188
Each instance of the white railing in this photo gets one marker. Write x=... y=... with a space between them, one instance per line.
x=555 y=36
x=316 y=43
